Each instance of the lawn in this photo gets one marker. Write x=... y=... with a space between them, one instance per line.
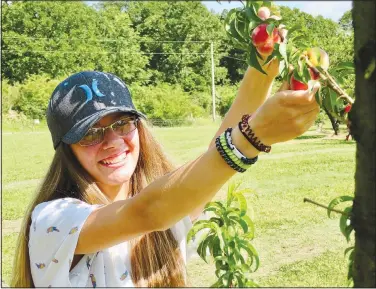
x=298 y=245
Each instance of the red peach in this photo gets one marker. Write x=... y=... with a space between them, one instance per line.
x=297 y=85
x=267 y=48
x=260 y=35
x=314 y=75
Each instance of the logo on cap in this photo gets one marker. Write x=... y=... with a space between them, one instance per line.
x=89 y=94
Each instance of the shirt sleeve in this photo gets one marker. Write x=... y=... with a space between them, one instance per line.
x=54 y=231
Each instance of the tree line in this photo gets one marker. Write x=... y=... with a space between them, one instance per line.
x=147 y=44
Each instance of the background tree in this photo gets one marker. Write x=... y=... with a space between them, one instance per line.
x=181 y=23
x=59 y=38
x=364 y=130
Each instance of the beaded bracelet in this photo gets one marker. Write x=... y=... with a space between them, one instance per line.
x=239 y=154
x=231 y=154
x=226 y=158
x=227 y=150
x=250 y=135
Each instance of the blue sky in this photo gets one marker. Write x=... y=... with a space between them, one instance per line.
x=328 y=9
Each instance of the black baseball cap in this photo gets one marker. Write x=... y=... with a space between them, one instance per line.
x=81 y=100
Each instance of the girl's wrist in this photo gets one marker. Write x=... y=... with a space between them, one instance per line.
x=242 y=144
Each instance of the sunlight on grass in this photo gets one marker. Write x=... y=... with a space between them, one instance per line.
x=298 y=245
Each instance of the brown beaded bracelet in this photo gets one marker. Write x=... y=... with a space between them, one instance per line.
x=250 y=135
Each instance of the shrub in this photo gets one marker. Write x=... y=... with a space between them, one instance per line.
x=9 y=96
x=35 y=93
x=165 y=104
x=225 y=96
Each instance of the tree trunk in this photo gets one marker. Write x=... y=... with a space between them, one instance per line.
x=333 y=121
x=363 y=128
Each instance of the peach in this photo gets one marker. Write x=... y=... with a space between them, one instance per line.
x=314 y=75
x=318 y=57
x=263 y=13
x=266 y=49
x=297 y=85
x=264 y=42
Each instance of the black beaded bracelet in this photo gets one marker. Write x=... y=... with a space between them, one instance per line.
x=243 y=158
x=226 y=158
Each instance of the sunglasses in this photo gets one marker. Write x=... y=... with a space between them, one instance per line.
x=121 y=127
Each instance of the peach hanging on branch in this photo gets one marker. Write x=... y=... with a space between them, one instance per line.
x=257 y=29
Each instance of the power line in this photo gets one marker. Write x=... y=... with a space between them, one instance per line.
x=110 y=40
x=116 y=52
x=102 y=52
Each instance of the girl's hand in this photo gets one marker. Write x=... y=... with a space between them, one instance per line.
x=285 y=115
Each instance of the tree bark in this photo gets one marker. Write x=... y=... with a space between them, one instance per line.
x=363 y=128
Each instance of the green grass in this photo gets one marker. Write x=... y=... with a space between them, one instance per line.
x=329 y=268
x=298 y=245
x=8 y=246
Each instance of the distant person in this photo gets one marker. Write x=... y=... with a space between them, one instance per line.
x=112 y=211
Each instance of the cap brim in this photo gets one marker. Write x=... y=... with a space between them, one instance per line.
x=77 y=132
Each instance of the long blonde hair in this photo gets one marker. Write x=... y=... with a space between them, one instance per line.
x=156 y=260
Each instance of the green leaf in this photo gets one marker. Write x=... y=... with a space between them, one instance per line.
x=349 y=249
x=216 y=207
x=251 y=251
x=231 y=188
x=294 y=28
x=242 y=203
x=202 y=248
x=229 y=279
x=215 y=250
x=317 y=96
x=249 y=234
x=345 y=229
x=198 y=226
x=270 y=28
x=346 y=66
x=240 y=281
x=330 y=102
x=337 y=201
x=241 y=28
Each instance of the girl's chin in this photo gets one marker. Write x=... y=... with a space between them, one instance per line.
x=117 y=178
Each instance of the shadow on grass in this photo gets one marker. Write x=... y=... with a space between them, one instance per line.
x=326 y=141
x=310 y=136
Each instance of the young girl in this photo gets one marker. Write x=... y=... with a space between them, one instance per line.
x=112 y=211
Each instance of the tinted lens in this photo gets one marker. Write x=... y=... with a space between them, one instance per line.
x=92 y=137
x=124 y=126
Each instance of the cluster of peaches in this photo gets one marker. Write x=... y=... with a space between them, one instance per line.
x=265 y=42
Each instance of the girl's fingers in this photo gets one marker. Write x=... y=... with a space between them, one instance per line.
x=299 y=97
x=304 y=121
x=285 y=86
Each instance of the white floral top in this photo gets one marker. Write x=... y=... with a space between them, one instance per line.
x=54 y=234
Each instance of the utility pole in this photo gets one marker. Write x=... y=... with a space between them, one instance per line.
x=212 y=75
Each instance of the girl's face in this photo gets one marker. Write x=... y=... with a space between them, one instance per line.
x=112 y=161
